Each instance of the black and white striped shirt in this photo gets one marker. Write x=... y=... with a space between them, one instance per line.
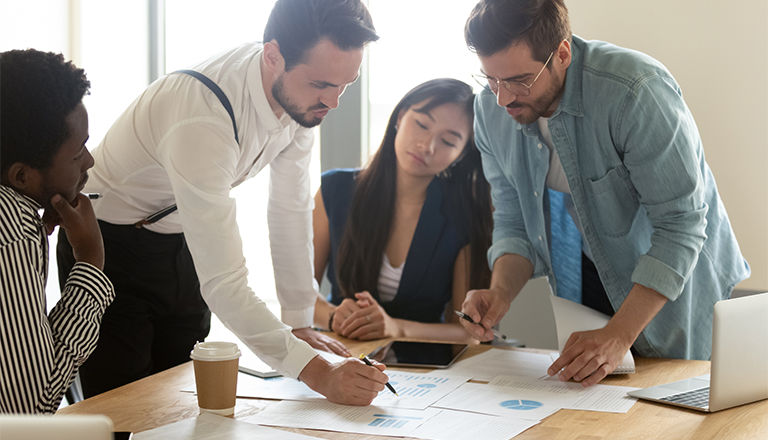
x=39 y=354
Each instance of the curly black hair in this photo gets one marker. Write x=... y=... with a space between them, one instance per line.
x=38 y=90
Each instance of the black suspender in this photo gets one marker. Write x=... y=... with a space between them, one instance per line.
x=227 y=106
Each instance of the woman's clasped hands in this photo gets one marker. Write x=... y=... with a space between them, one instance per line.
x=363 y=318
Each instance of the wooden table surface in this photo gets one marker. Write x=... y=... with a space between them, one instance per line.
x=157 y=400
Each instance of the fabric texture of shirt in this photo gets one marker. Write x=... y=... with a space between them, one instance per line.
x=426 y=283
x=646 y=198
x=175 y=144
x=39 y=354
x=389 y=279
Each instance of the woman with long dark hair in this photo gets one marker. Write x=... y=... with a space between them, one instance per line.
x=405 y=238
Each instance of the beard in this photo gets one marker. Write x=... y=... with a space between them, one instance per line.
x=542 y=104
x=305 y=118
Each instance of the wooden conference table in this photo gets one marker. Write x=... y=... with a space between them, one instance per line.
x=157 y=400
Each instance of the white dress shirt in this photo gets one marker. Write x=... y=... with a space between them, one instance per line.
x=175 y=144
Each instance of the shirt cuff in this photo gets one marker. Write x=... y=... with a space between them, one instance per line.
x=656 y=275
x=89 y=277
x=512 y=246
x=298 y=357
x=300 y=318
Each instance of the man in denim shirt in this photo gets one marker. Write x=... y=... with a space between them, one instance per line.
x=600 y=134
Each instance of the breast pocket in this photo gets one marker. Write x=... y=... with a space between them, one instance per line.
x=615 y=201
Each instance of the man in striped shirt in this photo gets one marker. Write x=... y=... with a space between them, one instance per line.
x=43 y=166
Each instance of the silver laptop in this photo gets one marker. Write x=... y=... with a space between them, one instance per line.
x=739 y=372
x=44 y=427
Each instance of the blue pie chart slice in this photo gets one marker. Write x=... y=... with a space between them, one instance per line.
x=521 y=405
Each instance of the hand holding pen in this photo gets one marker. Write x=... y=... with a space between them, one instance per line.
x=367 y=361
x=465 y=317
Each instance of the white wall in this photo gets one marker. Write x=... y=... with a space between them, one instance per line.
x=718 y=52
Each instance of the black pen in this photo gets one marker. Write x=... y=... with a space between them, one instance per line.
x=471 y=321
x=367 y=361
x=93 y=196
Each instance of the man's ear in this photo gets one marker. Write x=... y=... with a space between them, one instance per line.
x=22 y=178
x=563 y=55
x=273 y=59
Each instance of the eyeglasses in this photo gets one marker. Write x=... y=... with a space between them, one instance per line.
x=515 y=87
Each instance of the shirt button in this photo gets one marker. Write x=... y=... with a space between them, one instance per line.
x=539 y=146
x=540 y=238
x=536 y=193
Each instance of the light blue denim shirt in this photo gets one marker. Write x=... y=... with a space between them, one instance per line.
x=645 y=196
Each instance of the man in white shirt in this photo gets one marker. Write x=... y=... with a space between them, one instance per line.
x=177 y=144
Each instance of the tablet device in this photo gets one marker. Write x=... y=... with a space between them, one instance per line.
x=418 y=354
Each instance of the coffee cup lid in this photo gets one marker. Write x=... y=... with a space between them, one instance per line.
x=215 y=351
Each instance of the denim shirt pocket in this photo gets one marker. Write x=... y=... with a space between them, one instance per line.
x=615 y=201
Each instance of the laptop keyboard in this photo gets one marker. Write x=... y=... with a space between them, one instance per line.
x=698 y=398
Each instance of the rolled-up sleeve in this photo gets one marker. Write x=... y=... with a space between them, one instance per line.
x=664 y=158
x=509 y=232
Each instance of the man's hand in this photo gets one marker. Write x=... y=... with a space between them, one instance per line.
x=486 y=307
x=370 y=322
x=590 y=356
x=349 y=382
x=321 y=342
x=82 y=229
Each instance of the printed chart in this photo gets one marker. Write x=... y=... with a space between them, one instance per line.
x=417 y=390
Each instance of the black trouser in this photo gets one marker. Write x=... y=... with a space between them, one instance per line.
x=592 y=291
x=158 y=313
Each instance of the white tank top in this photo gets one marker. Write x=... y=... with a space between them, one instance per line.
x=389 y=280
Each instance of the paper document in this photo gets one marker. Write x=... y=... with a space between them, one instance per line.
x=342 y=418
x=415 y=390
x=505 y=402
x=604 y=398
x=495 y=362
x=456 y=425
x=572 y=317
x=212 y=427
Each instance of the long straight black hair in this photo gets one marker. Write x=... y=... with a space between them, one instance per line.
x=368 y=227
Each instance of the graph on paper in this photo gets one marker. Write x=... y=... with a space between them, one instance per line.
x=417 y=390
x=390 y=421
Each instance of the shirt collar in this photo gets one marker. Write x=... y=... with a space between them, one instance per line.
x=28 y=205
x=571 y=101
x=259 y=98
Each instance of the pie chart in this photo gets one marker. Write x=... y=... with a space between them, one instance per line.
x=521 y=405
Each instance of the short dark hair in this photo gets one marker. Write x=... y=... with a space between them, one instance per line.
x=494 y=25
x=38 y=91
x=298 y=25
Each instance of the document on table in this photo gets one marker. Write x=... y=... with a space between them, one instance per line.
x=495 y=362
x=504 y=402
x=572 y=317
x=328 y=416
x=212 y=427
x=457 y=425
x=416 y=390
x=604 y=398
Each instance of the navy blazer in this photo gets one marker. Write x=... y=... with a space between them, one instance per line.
x=426 y=284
